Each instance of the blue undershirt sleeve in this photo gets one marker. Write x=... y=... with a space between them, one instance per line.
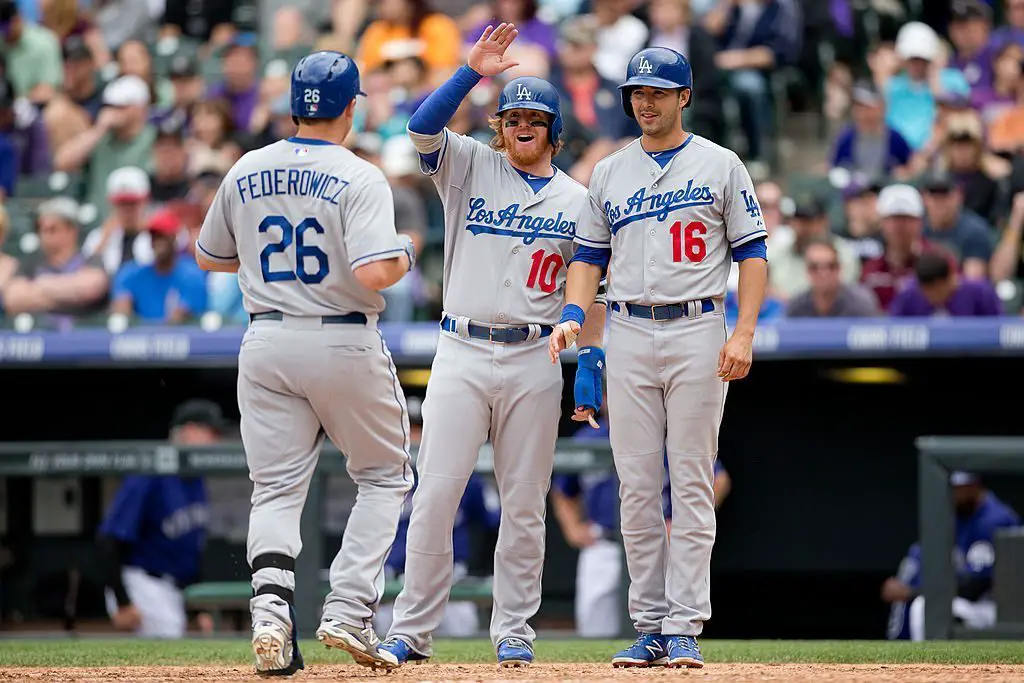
x=754 y=249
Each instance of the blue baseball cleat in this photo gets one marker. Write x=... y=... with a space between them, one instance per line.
x=683 y=651
x=402 y=651
x=514 y=652
x=650 y=649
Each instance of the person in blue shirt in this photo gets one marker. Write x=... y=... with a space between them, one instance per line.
x=868 y=146
x=153 y=535
x=979 y=514
x=479 y=507
x=170 y=290
x=586 y=508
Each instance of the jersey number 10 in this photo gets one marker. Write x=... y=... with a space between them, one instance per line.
x=544 y=271
x=303 y=251
x=688 y=241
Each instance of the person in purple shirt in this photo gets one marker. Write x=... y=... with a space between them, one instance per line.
x=1013 y=31
x=940 y=291
x=172 y=289
x=240 y=86
x=970 y=31
x=533 y=31
x=1000 y=94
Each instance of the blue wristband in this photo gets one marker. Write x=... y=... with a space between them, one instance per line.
x=574 y=313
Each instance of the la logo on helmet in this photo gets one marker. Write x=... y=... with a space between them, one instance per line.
x=523 y=93
x=645 y=66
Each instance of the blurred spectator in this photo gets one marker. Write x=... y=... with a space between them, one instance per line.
x=211 y=143
x=534 y=47
x=188 y=87
x=400 y=163
x=200 y=20
x=172 y=289
x=828 y=296
x=134 y=59
x=121 y=238
x=1006 y=261
x=24 y=148
x=769 y=196
x=862 y=226
x=787 y=273
x=998 y=96
x=919 y=78
x=32 y=55
x=1006 y=131
x=970 y=29
x=401 y=20
x=9 y=265
x=240 y=86
x=939 y=290
x=120 y=137
x=620 y=35
x=276 y=82
x=868 y=145
x=75 y=109
x=63 y=281
x=379 y=114
x=122 y=20
x=291 y=36
x=755 y=37
x=1013 y=32
x=408 y=74
x=154 y=533
x=950 y=224
x=169 y=180
x=672 y=26
x=901 y=210
x=69 y=22
x=225 y=298
x=978 y=173
x=280 y=124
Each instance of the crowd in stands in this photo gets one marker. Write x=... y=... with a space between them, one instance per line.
x=119 y=118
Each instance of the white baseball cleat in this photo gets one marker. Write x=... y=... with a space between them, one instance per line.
x=272 y=647
x=362 y=643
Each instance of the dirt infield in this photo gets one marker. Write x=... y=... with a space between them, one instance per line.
x=436 y=673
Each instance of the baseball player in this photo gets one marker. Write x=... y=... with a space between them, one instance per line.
x=309 y=227
x=509 y=224
x=979 y=514
x=153 y=536
x=478 y=507
x=664 y=215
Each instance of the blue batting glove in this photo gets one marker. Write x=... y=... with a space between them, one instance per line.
x=590 y=365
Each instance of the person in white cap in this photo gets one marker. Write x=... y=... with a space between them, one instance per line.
x=121 y=136
x=911 y=94
x=122 y=237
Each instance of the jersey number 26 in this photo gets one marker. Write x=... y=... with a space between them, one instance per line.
x=303 y=251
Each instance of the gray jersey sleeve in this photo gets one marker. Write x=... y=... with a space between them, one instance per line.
x=369 y=219
x=456 y=154
x=741 y=210
x=592 y=228
x=217 y=237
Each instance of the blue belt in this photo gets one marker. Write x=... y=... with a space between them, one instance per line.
x=664 y=311
x=498 y=335
x=346 y=319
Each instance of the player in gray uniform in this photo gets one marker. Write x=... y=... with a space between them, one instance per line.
x=664 y=216
x=509 y=225
x=310 y=230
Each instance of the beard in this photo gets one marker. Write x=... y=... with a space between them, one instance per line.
x=525 y=157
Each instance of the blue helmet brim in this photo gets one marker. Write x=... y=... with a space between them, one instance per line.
x=651 y=82
x=536 y=106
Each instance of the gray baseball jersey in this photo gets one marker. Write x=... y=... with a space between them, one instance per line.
x=495 y=224
x=298 y=216
x=671 y=230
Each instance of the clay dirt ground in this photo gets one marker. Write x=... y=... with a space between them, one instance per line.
x=437 y=673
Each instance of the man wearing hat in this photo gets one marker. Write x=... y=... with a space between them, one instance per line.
x=31 y=53
x=868 y=145
x=75 y=109
x=172 y=289
x=979 y=515
x=63 y=281
x=788 y=272
x=153 y=535
x=121 y=136
x=948 y=223
x=240 y=86
x=169 y=180
x=901 y=211
x=970 y=29
x=122 y=237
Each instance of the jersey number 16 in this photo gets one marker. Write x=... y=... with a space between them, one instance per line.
x=688 y=241
x=303 y=251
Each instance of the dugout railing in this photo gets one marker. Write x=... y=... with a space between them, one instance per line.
x=119 y=458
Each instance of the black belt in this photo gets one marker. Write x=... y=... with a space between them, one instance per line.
x=664 y=311
x=498 y=335
x=346 y=319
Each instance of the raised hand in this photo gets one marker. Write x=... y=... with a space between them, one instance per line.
x=487 y=57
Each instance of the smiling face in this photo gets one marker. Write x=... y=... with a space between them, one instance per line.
x=525 y=135
x=659 y=111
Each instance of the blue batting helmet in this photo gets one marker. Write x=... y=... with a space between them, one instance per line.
x=656 y=67
x=323 y=85
x=533 y=93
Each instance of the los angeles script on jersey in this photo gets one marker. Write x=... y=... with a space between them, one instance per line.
x=509 y=222
x=657 y=205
